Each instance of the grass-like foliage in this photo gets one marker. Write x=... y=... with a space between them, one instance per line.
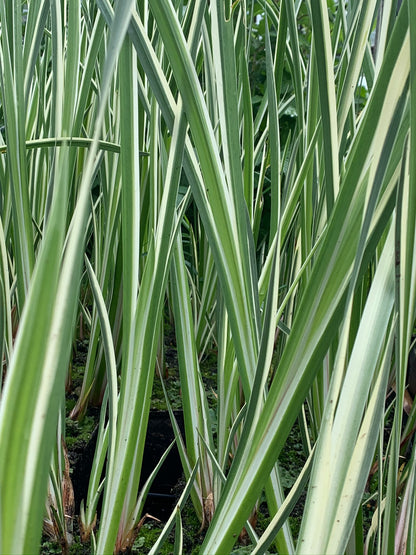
x=243 y=173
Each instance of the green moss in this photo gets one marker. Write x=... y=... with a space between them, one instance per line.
x=78 y=548
x=79 y=433
x=173 y=387
x=148 y=536
x=49 y=547
x=192 y=533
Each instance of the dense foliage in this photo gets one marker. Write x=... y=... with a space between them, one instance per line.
x=241 y=174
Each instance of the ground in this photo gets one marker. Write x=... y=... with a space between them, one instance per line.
x=80 y=439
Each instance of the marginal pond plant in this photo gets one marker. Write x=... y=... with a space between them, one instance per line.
x=242 y=173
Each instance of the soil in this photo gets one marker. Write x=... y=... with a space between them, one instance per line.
x=162 y=496
x=168 y=485
x=160 y=434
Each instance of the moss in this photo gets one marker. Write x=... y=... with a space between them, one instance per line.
x=78 y=548
x=148 y=536
x=192 y=534
x=79 y=433
x=172 y=384
x=49 y=547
